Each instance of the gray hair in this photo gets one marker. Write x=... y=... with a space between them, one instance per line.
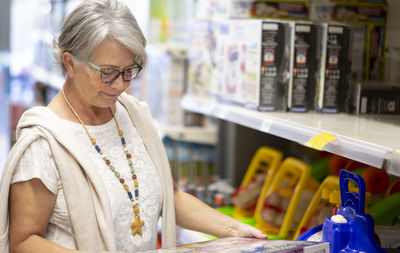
x=92 y=22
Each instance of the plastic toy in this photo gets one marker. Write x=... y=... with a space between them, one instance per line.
x=321 y=206
x=357 y=235
x=265 y=161
x=387 y=210
x=279 y=201
x=376 y=180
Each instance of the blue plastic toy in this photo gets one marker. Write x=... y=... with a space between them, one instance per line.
x=357 y=235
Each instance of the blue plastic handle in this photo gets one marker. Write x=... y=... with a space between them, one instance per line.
x=357 y=201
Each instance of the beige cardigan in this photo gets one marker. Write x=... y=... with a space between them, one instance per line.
x=88 y=206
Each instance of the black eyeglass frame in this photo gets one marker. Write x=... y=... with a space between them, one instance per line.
x=102 y=70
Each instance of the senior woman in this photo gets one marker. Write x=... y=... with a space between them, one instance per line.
x=88 y=172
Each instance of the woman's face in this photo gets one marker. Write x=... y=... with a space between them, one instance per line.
x=91 y=89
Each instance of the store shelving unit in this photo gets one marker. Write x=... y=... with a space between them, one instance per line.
x=371 y=139
x=194 y=134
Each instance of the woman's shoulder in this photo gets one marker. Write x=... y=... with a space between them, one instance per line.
x=130 y=101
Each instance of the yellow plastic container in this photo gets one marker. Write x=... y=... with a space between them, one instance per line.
x=266 y=160
x=287 y=185
x=327 y=196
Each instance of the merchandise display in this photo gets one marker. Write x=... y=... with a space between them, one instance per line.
x=247 y=245
x=304 y=62
x=372 y=14
x=356 y=234
x=277 y=205
x=375 y=99
x=259 y=175
x=335 y=68
x=306 y=72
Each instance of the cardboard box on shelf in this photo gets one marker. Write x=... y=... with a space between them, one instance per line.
x=304 y=63
x=332 y=89
x=278 y=9
x=252 y=65
x=375 y=98
x=370 y=13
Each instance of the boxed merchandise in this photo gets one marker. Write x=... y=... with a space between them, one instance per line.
x=251 y=59
x=288 y=10
x=200 y=57
x=304 y=62
x=240 y=57
x=370 y=13
x=332 y=90
x=239 y=244
x=275 y=41
x=375 y=99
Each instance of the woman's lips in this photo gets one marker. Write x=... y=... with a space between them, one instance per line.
x=110 y=95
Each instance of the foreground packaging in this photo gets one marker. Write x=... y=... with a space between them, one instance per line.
x=247 y=245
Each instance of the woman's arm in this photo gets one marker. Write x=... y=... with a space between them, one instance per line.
x=193 y=214
x=31 y=204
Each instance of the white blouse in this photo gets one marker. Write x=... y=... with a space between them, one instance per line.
x=37 y=162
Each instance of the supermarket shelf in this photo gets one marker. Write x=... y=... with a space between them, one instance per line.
x=50 y=78
x=371 y=139
x=201 y=135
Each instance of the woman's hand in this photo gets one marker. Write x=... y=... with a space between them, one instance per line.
x=245 y=230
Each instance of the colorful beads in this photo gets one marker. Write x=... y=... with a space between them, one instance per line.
x=130 y=195
x=136 y=193
x=93 y=141
x=120 y=133
x=130 y=163
x=97 y=148
x=123 y=140
x=121 y=180
x=136 y=183
x=117 y=174
x=108 y=162
x=136 y=209
x=126 y=187
x=112 y=168
x=128 y=156
x=133 y=176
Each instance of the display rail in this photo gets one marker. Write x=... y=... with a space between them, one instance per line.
x=370 y=139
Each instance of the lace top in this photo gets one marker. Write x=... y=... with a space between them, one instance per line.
x=37 y=162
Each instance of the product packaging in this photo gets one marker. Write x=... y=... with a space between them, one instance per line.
x=333 y=86
x=304 y=62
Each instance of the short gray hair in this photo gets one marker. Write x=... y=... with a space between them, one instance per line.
x=93 y=21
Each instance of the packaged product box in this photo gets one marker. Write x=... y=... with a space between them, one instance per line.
x=281 y=9
x=304 y=62
x=252 y=57
x=240 y=58
x=375 y=98
x=370 y=13
x=247 y=245
x=232 y=8
x=333 y=85
x=275 y=52
x=200 y=57
x=220 y=32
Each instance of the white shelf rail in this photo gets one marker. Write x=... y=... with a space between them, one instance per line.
x=370 y=139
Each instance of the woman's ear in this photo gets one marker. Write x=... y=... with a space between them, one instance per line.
x=69 y=64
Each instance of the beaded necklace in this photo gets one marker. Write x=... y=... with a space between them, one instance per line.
x=136 y=226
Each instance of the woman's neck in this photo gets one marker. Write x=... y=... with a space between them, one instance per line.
x=89 y=114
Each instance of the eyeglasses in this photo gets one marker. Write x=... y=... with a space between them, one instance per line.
x=109 y=75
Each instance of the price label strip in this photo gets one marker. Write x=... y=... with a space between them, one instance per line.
x=320 y=140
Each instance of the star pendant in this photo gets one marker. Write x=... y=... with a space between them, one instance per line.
x=137 y=226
